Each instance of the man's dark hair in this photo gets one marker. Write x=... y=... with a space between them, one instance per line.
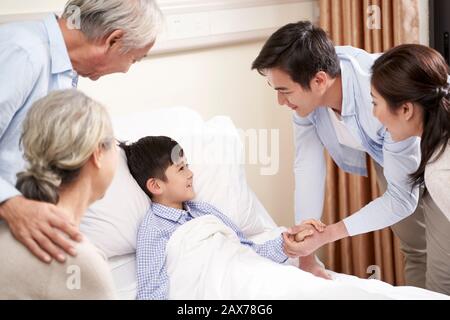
x=150 y=157
x=301 y=50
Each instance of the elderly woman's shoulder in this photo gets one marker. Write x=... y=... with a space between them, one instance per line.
x=86 y=276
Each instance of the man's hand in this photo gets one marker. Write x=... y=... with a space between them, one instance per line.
x=331 y=233
x=300 y=230
x=295 y=249
x=38 y=226
x=295 y=237
x=306 y=229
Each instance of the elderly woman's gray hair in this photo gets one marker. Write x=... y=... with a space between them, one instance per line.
x=60 y=133
x=140 y=20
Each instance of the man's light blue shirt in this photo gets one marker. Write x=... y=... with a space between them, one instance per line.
x=33 y=62
x=316 y=132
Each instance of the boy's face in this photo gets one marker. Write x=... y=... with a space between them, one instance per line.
x=179 y=185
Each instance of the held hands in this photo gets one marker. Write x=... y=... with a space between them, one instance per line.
x=302 y=240
x=39 y=226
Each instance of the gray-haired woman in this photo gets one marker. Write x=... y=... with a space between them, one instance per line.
x=92 y=38
x=71 y=153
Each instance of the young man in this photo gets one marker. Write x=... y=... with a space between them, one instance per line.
x=159 y=167
x=328 y=89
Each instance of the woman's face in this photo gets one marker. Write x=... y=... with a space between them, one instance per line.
x=402 y=123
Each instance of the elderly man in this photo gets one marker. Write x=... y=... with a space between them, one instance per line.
x=91 y=39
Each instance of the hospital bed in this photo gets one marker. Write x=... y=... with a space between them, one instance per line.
x=215 y=153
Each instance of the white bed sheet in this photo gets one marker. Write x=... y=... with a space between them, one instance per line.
x=205 y=260
x=124 y=274
x=123 y=268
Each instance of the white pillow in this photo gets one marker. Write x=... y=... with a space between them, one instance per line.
x=220 y=179
x=214 y=151
x=112 y=223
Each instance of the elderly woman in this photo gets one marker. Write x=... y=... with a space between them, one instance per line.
x=71 y=153
x=92 y=38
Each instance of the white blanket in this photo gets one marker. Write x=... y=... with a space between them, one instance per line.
x=205 y=260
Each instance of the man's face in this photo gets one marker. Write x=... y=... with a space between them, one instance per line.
x=102 y=62
x=290 y=93
x=179 y=185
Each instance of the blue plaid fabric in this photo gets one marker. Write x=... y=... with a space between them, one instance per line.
x=155 y=231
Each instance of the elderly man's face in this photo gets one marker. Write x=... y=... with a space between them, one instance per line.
x=103 y=61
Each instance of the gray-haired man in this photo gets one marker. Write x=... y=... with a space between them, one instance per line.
x=91 y=39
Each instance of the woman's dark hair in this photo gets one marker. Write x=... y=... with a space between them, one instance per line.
x=150 y=157
x=418 y=74
x=301 y=50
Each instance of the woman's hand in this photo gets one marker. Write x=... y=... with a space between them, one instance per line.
x=311 y=225
x=294 y=249
x=298 y=234
x=38 y=226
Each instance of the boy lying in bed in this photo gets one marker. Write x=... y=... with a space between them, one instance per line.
x=159 y=167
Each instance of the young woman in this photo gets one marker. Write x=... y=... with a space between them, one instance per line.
x=411 y=97
x=71 y=153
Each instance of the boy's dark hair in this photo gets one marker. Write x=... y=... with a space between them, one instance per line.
x=301 y=50
x=150 y=157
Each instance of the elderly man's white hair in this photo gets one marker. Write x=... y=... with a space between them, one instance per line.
x=140 y=20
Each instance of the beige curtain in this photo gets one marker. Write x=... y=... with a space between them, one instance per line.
x=376 y=26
